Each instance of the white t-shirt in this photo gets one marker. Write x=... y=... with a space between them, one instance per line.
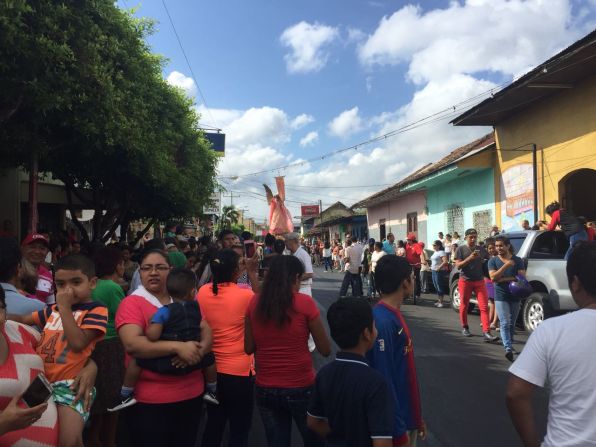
x=436 y=260
x=561 y=353
x=306 y=261
x=374 y=258
x=354 y=252
x=326 y=252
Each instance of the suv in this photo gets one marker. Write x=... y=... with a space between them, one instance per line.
x=543 y=254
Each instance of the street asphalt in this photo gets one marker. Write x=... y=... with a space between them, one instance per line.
x=462 y=380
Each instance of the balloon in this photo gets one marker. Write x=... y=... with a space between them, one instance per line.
x=520 y=288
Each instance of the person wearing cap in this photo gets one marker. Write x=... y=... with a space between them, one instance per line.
x=35 y=248
x=293 y=244
x=469 y=258
x=413 y=256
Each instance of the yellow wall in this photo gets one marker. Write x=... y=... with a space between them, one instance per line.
x=563 y=127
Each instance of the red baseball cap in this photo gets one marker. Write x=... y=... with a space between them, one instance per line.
x=35 y=237
x=411 y=236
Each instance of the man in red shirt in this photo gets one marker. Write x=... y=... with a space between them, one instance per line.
x=570 y=225
x=35 y=248
x=413 y=256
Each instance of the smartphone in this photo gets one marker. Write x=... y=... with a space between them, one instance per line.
x=249 y=248
x=39 y=391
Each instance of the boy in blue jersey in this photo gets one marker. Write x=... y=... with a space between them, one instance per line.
x=393 y=354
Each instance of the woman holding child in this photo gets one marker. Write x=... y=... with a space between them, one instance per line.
x=278 y=323
x=169 y=406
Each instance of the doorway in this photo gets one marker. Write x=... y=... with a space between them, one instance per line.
x=382 y=230
x=575 y=193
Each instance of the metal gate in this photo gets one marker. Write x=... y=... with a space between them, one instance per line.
x=455 y=219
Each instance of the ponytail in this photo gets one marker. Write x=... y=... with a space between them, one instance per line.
x=223 y=266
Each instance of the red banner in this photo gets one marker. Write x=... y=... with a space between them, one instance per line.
x=309 y=210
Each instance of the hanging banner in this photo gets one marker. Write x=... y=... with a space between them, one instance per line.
x=309 y=210
x=218 y=142
x=517 y=196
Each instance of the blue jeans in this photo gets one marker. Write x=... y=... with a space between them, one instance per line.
x=507 y=312
x=353 y=280
x=328 y=264
x=439 y=281
x=278 y=406
x=573 y=239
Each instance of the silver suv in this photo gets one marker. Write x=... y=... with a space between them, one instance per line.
x=543 y=253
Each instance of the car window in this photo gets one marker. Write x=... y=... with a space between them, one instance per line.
x=550 y=245
x=517 y=241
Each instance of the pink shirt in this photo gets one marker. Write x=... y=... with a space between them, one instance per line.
x=153 y=388
x=282 y=356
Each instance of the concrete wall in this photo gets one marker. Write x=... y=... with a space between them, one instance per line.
x=395 y=213
x=563 y=127
x=473 y=192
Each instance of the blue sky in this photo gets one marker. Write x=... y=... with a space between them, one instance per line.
x=289 y=81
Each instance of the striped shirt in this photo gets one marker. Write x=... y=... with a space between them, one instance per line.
x=60 y=362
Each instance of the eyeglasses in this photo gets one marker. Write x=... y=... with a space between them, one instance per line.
x=158 y=268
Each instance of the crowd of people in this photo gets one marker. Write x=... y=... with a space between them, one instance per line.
x=152 y=334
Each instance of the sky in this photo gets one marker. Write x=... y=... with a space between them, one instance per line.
x=294 y=82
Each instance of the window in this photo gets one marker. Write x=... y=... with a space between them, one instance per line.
x=413 y=222
x=550 y=245
x=455 y=219
x=382 y=229
x=482 y=221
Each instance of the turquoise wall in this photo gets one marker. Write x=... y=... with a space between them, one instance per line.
x=473 y=192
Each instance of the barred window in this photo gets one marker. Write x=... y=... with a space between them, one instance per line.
x=483 y=223
x=455 y=219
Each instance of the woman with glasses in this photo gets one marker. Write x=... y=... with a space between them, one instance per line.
x=168 y=407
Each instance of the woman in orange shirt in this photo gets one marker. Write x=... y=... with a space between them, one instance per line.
x=223 y=304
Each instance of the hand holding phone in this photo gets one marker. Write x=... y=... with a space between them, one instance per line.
x=15 y=417
x=38 y=392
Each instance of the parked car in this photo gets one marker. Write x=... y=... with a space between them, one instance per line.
x=543 y=253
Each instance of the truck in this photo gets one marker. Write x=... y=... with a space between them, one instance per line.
x=543 y=254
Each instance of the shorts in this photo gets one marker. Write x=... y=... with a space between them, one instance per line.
x=64 y=396
x=109 y=357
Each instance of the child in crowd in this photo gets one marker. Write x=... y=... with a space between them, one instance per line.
x=393 y=352
x=351 y=404
x=489 y=244
x=179 y=321
x=70 y=330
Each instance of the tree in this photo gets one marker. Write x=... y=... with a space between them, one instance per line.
x=229 y=216
x=82 y=94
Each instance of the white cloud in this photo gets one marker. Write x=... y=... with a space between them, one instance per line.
x=355 y=35
x=302 y=120
x=309 y=139
x=346 y=123
x=307 y=43
x=182 y=81
x=504 y=36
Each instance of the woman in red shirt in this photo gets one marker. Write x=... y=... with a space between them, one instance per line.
x=277 y=326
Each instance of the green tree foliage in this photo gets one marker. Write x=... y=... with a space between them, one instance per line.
x=229 y=217
x=81 y=91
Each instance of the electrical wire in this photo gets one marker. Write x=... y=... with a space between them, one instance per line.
x=188 y=62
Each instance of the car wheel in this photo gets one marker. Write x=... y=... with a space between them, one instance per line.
x=456 y=299
x=535 y=311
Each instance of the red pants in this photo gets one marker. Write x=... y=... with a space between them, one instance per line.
x=465 y=292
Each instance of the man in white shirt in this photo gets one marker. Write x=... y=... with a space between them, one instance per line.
x=293 y=244
x=353 y=258
x=560 y=352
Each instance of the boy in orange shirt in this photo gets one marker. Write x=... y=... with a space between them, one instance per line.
x=70 y=330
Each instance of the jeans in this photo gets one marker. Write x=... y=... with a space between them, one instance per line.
x=328 y=264
x=573 y=239
x=465 y=292
x=371 y=284
x=440 y=280
x=354 y=280
x=278 y=406
x=236 y=400
x=507 y=312
x=175 y=423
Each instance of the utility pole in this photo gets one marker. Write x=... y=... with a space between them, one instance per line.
x=231 y=196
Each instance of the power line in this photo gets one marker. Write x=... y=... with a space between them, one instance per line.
x=432 y=118
x=188 y=62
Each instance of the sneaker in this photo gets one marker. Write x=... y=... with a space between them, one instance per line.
x=509 y=355
x=466 y=332
x=439 y=305
x=210 y=398
x=490 y=338
x=126 y=402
